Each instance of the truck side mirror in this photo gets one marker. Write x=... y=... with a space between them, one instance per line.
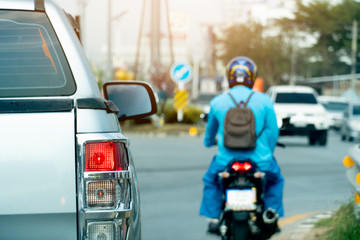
x=134 y=99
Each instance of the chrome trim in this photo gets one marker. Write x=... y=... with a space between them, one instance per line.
x=107 y=175
x=107 y=214
x=122 y=213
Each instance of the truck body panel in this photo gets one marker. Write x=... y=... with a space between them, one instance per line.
x=39 y=172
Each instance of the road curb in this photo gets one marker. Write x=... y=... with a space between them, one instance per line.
x=299 y=226
x=305 y=227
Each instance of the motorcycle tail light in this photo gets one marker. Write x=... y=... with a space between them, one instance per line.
x=105 y=156
x=101 y=194
x=241 y=167
x=101 y=230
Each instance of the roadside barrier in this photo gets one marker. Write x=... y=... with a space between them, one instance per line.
x=352 y=162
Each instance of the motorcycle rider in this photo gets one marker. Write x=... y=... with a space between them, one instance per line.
x=241 y=73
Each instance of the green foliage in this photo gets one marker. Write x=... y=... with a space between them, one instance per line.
x=317 y=16
x=268 y=52
x=331 y=26
x=326 y=222
x=343 y=225
x=191 y=113
x=319 y=35
x=170 y=112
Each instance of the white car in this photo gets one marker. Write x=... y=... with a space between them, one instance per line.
x=307 y=115
x=203 y=101
x=335 y=107
x=350 y=127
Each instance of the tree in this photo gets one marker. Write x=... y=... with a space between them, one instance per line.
x=250 y=40
x=330 y=26
x=318 y=38
x=347 y=12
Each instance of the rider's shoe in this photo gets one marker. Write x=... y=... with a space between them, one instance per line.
x=277 y=230
x=213 y=226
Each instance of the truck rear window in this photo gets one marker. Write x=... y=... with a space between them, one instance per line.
x=32 y=62
x=295 y=98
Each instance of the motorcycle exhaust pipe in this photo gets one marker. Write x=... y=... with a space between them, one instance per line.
x=270 y=216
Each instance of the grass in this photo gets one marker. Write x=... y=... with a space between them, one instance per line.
x=341 y=226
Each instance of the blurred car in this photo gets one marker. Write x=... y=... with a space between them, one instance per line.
x=335 y=107
x=350 y=128
x=203 y=101
x=307 y=115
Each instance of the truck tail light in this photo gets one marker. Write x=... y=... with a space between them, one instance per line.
x=105 y=156
x=104 y=186
x=101 y=194
x=101 y=230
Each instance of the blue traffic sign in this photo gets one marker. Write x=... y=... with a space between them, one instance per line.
x=181 y=72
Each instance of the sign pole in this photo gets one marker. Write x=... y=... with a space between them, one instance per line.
x=180 y=73
x=180 y=113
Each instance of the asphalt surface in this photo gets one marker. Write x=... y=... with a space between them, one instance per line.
x=170 y=171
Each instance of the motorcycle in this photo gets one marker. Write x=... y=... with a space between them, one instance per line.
x=243 y=216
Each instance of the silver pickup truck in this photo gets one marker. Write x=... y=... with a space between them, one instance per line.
x=66 y=171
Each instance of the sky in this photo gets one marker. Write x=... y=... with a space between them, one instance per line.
x=125 y=30
x=125 y=33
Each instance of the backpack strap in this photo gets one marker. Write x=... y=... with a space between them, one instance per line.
x=247 y=101
x=262 y=130
x=232 y=97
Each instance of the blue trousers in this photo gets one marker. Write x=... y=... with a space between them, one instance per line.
x=212 y=201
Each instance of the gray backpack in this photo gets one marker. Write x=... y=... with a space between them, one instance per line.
x=239 y=128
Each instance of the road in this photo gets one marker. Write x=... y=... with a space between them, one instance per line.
x=170 y=171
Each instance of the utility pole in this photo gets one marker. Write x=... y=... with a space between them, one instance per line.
x=169 y=31
x=155 y=37
x=353 y=54
x=292 y=63
x=211 y=36
x=139 y=40
x=109 y=53
x=195 y=80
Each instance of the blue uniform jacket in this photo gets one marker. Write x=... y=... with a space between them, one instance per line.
x=263 y=110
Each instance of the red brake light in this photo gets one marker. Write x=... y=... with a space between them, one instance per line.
x=105 y=156
x=237 y=166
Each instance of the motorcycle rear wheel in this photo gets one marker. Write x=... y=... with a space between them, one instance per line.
x=240 y=230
